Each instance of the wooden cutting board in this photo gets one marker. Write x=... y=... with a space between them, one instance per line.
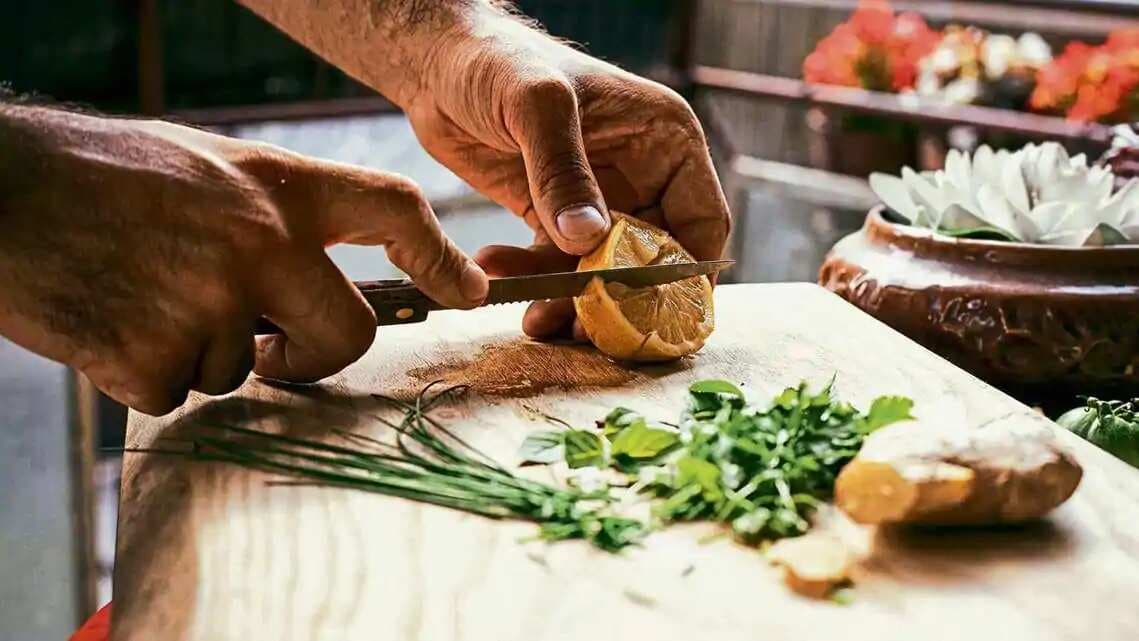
x=212 y=552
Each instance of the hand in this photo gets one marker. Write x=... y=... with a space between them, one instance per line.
x=142 y=253
x=554 y=135
x=559 y=138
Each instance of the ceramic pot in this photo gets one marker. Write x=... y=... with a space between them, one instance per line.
x=1019 y=316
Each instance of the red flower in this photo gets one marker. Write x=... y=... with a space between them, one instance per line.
x=874 y=50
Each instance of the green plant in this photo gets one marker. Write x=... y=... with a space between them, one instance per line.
x=1111 y=425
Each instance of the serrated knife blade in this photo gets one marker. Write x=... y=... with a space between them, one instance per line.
x=569 y=284
x=398 y=302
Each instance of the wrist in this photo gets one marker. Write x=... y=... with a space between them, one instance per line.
x=473 y=54
x=420 y=40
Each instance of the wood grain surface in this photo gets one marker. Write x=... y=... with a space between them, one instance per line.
x=211 y=552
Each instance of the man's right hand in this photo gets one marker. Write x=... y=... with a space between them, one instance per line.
x=141 y=253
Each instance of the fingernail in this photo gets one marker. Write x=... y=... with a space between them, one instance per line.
x=581 y=222
x=474 y=283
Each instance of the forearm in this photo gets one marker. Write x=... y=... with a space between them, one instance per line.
x=22 y=147
x=35 y=142
x=386 y=44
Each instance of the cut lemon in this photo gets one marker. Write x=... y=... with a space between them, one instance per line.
x=658 y=323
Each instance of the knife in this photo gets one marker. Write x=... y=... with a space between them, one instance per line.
x=398 y=302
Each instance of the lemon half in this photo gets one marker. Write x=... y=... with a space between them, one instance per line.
x=657 y=323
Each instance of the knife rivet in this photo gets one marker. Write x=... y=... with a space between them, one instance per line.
x=404 y=313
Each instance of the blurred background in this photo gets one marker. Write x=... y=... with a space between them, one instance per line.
x=793 y=158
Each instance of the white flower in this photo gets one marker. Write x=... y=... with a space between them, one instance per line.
x=928 y=83
x=1035 y=195
x=962 y=91
x=1033 y=50
x=998 y=52
x=1125 y=136
x=944 y=60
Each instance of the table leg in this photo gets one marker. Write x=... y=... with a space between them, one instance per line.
x=84 y=430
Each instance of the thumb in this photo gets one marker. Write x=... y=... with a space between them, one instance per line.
x=349 y=204
x=546 y=125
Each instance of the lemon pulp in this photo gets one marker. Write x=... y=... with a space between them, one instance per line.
x=657 y=323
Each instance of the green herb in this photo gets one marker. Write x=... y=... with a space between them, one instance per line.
x=585 y=449
x=760 y=470
x=842 y=596
x=623 y=438
x=764 y=470
x=885 y=410
x=430 y=464
x=639 y=443
x=713 y=386
x=1111 y=425
x=543 y=448
x=617 y=420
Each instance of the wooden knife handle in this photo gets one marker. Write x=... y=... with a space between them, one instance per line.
x=395 y=303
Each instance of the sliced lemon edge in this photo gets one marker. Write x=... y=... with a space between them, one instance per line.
x=623 y=340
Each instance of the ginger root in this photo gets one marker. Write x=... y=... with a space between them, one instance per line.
x=924 y=472
x=813 y=564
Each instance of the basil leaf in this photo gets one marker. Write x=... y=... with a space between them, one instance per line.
x=618 y=420
x=886 y=410
x=701 y=473
x=543 y=448
x=787 y=399
x=621 y=416
x=639 y=441
x=583 y=449
x=715 y=386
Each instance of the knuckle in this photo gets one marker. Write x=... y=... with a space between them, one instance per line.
x=426 y=260
x=677 y=113
x=538 y=98
x=266 y=163
x=677 y=107
x=407 y=197
x=357 y=334
x=550 y=91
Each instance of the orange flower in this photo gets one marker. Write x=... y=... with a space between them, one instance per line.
x=1093 y=83
x=1123 y=41
x=874 y=50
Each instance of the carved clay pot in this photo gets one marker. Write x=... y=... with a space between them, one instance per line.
x=1022 y=317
